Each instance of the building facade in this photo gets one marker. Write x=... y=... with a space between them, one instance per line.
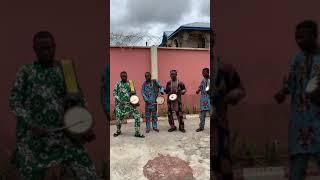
x=194 y=35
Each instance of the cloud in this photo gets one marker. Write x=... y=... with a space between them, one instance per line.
x=141 y=12
x=135 y=15
x=155 y=16
x=204 y=8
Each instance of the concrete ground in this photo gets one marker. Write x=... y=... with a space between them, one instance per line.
x=129 y=154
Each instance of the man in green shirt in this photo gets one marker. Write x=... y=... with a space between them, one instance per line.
x=122 y=94
x=38 y=100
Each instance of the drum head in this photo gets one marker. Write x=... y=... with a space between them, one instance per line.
x=160 y=100
x=79 y=119
x=134 y=99
x=312 y=85
x=173 y=97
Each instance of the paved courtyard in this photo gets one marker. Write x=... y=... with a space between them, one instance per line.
x=129 y=155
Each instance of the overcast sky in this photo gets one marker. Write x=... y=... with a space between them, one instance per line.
x=155 y=16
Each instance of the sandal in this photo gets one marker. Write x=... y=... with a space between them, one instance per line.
x=117 y=134
x=139 y=135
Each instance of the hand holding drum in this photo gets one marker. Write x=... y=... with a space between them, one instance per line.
x=280 y=96
x=77 y=122
x=134 y=100
x=313 y=90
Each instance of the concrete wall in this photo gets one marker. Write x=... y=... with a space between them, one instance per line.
x=136 y=61
x=80 y=29
x=258 y=38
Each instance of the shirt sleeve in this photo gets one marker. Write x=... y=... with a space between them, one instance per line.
x=18 y=96
x=162 y=89
x=143 y=92
x=200 y=86
x=182 y=87
x=237 y=84
x=291 y=86
x=236 y=80
x=116 y=93
x=105 y=89
x=82 y=101
x=167 y=90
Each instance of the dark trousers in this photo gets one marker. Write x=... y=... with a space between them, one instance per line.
x=180 y=119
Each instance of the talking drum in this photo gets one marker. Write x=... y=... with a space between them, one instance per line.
x=77 y=121
x=173 y=97
x=208 y=86
x=160 y=100
x=134 y=99
x=313 y=90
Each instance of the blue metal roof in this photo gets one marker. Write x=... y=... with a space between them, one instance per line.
x=197 y=24
x=168 y=33
x=200 y=26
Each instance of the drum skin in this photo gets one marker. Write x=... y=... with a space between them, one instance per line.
x=134 y=99
x=313 y=90
x=173 y=97
x=76 y=114
x=160 y=100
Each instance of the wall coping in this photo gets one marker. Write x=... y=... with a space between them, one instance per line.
x=169 y=48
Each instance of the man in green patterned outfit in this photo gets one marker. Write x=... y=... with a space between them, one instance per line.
x=38 y=100
x=123 y=107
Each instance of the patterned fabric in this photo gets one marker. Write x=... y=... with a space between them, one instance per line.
x=123 y=106
x=174 y=87
x=151 y=114
x=38 y=97
x=150 y=91
x=202 y=117
x=304 y=125
x=299 y=165
x=205 y=98
x=228 y=80
x=105 y=89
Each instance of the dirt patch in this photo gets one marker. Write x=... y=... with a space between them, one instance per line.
x=167 y=168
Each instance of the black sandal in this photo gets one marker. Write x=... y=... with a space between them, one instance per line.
x=139 y=135
x=116 y=134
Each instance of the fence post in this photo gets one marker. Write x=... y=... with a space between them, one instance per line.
x=154 y=62
x=154 y=65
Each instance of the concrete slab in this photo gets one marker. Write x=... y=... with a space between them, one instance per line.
x=129 y=155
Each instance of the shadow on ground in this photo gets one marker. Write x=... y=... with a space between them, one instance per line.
x=129 y=155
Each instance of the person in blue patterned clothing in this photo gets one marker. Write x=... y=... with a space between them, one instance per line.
x=150 y=90
x=204 y=99
x=304 y=123
x=105 y=91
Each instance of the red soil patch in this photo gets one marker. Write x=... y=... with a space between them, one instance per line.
x=167 y=168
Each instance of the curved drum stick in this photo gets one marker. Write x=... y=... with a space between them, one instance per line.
x=66 y=127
